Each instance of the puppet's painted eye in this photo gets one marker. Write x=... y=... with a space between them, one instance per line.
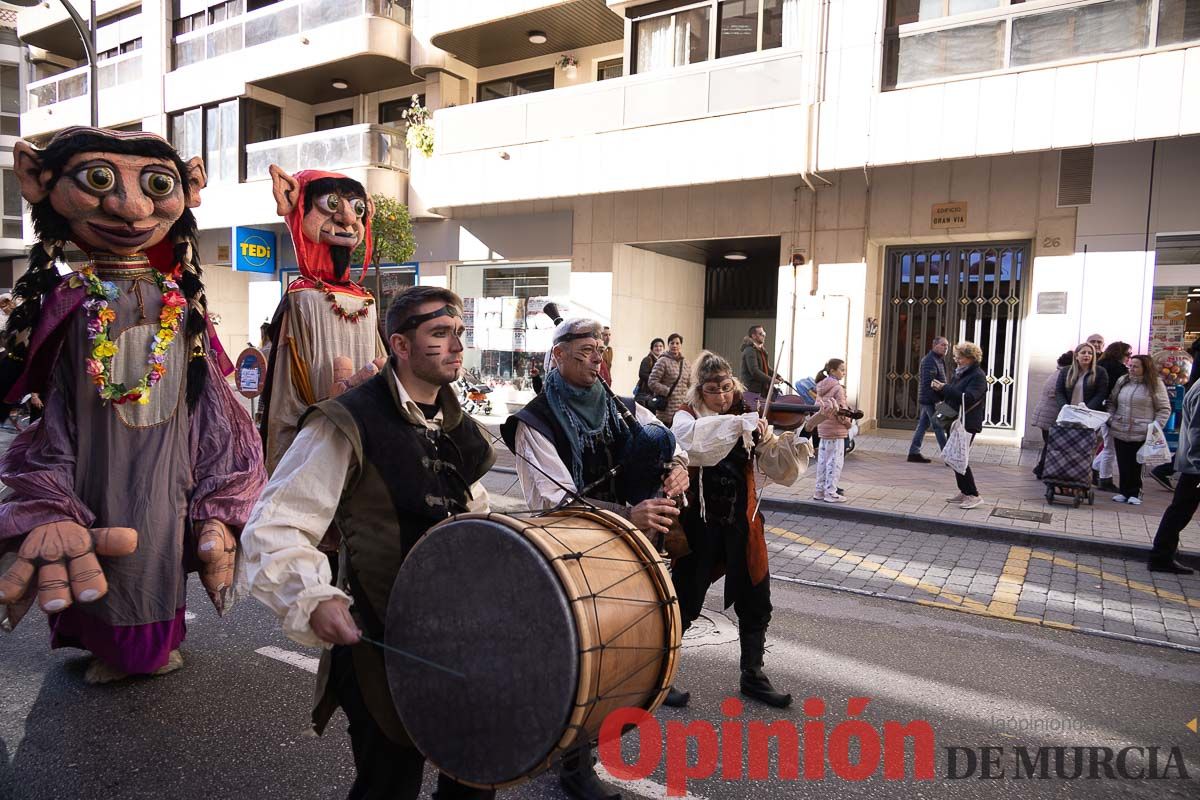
x=329 y=202
x=157 y=184
x=98 y=179
x=360 y=208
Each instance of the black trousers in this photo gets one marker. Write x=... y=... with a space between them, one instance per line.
x=1176 y=517
x=384 y=770
x=966 y=481
x=1128 y=467
x=692 y=575
x=1042 y=458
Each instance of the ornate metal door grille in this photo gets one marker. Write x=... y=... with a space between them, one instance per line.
x=972 y=292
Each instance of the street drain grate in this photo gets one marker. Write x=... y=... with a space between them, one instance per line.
x=1017 y=513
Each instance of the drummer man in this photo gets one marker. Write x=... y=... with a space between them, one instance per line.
x=568 y=437
x=385 y=461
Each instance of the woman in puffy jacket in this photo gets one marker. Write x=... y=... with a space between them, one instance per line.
x=1138 y=400
x=966 y=392
x=1046 y=412
x=1082 y=383
x=833 y=430
x=671 y=378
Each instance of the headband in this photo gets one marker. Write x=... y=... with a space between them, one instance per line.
x=570 y=337
x=418 y=320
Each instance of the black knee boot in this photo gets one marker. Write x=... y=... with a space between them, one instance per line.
x=577 y=776
x=755 y=683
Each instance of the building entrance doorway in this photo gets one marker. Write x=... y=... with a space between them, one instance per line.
x=967 y=292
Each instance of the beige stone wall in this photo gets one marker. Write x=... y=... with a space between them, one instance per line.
x=229 y=295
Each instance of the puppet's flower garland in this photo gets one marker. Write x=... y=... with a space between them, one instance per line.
x=104 y=349
x=349 y=316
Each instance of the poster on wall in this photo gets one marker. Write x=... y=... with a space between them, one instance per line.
x=518 y=340
x=512 y=313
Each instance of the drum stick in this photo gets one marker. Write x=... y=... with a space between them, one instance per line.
x=407 y=654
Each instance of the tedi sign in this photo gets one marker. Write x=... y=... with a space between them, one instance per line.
x=254 y=250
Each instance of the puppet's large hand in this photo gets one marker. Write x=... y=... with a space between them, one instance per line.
x=217 y=550
x=63 y=554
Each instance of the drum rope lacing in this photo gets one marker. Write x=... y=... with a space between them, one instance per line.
x=597 y=594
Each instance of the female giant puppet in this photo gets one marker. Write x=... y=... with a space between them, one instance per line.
x=142 y=441
x=326 y=325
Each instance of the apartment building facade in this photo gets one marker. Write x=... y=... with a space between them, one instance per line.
x=1020 y=174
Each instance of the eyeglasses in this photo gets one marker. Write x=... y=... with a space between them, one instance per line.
x=724 y=388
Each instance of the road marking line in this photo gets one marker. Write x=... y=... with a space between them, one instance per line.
x=880 y=569
x=1012 y=577
x=644 y=788
x=1136 y=586
x=306 y=663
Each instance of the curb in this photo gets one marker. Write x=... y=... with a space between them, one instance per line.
x=969 y=530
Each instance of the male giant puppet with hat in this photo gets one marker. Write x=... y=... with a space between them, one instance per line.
x=326 y=326
x=144 y=467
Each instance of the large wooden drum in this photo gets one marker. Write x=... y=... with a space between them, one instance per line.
x=554 y=622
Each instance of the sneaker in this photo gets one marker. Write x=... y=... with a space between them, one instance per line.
x=1134 y=501
x=1171 y=566
x=1162 y=480
x=1119 y=498
x=917 y=458
x=970 y=501
x=837 y=498
x=958 y=498
x=818 y=498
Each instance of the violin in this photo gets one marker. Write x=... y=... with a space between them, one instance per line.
x=787 y=412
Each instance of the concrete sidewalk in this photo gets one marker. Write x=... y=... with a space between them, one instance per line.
x=882 y=488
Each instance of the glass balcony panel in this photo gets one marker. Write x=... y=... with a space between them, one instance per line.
x=189 y=51
x=315 y=13
x=129 y=70
x=224 y=40
x=1178 y=21
x=72 y=86
x=338 y=148
x=941 y=54
x=107 y=76
x=1112 y=27
x=42 y=96
x=284 y=22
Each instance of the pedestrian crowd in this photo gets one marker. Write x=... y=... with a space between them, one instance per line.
x=1103 y=408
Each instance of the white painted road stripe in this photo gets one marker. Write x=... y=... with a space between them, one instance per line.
x=306 y=663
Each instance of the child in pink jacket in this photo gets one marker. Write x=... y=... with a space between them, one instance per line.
x=833 y=430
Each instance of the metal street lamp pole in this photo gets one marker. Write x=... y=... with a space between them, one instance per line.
x=87 y=34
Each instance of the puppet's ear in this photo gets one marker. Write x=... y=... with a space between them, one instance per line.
x=286 y=190
x=370 y=209
x=197 y=179
x=34 y=181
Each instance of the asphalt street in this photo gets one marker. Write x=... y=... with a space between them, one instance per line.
x=232 y=722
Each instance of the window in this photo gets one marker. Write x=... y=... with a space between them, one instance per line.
x=334 y=119
x=902 y=12
x=129 y=47
x=679 y=32
x=219 y=134
x=612 y=68
x=516 y=85
x=10 y=227
x=391 y=112
x=516 y=282
x=192 y=22
x=223 y=11
x=10 y=100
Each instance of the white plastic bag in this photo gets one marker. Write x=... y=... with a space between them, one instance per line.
x=1155 y=450
x=1082 y=415
x=957 y=451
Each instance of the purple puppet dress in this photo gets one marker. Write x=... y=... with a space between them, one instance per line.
x=156 y=467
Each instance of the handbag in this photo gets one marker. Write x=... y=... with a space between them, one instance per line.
x=957 y=451
x=945 y=413
x=658 y=402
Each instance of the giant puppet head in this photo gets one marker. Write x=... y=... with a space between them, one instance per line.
x=120 y=193
x=329 y=216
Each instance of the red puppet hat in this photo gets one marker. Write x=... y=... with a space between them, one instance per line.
x=313 y=258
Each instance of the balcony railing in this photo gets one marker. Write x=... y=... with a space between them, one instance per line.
x=275 y=22
x=73 y=83
x=365 y=145
x=713 y=88
x=1013 y=37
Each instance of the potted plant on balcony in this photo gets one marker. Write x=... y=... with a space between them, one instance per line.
x=568 y=64
x=419 y=136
